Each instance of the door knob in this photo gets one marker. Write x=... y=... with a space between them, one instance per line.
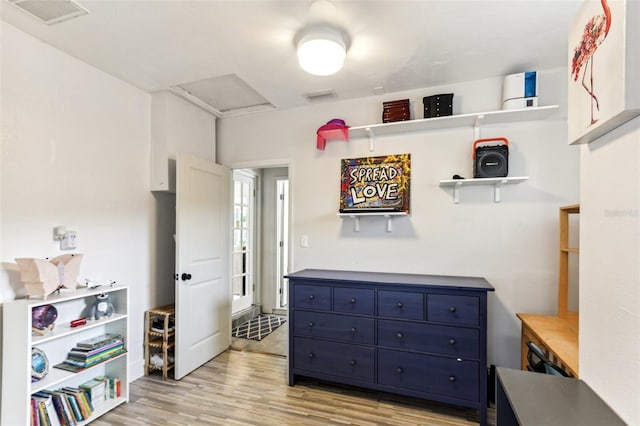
x=185 y=276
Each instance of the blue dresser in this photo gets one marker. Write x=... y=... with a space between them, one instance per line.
x=417 y=335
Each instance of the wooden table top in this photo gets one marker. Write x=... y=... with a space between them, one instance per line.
x=560 y=335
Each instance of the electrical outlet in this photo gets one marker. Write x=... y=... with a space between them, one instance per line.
x=69 y=241
x=304 y=241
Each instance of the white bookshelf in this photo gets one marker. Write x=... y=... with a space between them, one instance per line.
x=18 y=341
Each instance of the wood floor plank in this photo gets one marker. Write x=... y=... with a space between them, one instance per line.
x=248 y=388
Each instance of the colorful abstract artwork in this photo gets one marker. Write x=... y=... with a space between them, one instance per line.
x=375 y=184
x=603 y=82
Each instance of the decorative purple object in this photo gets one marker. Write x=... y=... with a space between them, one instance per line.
x=43 y=316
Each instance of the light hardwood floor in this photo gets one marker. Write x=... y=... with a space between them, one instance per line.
x=250 y=388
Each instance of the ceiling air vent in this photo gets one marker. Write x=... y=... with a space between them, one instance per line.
x=322 y=95
x=50 y=11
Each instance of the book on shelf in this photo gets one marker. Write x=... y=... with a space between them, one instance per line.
x=99 y=341
x=86 y=404
x=63 y=408
x=75 y=409
x=87 y=352
x=42 y=413
x=68 y=367
x=113 y=388
x=68 y=411
x=95 y=390
x=35 y=414
x=94 y=359
x=83 y=404
x=48 y=414
x=76 y=366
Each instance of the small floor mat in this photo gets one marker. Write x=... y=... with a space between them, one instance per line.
x=259 y=327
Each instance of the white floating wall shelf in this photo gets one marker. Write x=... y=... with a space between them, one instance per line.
x=497 y=183
x=474 y=120
x=387 y=215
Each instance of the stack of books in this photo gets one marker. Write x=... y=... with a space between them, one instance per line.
x=69 y=406
x=113 y=387
x=66 y=406
x=90 y=352
x=95 y=390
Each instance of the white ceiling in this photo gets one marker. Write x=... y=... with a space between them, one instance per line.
x=395 y=44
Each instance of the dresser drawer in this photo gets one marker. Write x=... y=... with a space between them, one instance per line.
x=453 y=309
x=336 y=327
x=438 y=339
x=431 y=374
x=401 y=304
x=312 y=297
x=337 y=359
x=353 y=300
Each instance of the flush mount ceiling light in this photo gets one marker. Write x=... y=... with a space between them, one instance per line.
x=321 y=49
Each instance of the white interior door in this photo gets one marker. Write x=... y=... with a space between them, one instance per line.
x=282 y=231
x=243 y=249
x=203 y=289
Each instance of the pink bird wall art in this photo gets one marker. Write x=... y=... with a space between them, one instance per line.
x=595 y=32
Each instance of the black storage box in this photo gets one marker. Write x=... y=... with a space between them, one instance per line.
x=438 y=105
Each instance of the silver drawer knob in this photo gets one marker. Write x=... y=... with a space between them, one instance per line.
x=353 y=362
x=399 y=305
x=353 y=330
x=353 y=300
x=312 y=355
x=399 y=335
x=311 y=324
x=452 y=309
x=452 y=341
x=399 y=370
x=311 y=297
x=452 y=379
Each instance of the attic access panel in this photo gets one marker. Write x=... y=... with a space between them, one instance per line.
x=375 y=184
x=226 y=94
x=51 y=11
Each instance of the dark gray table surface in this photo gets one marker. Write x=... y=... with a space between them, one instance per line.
x=544 y=400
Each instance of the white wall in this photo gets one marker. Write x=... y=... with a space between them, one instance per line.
x=177 y=126
x=609 y=269
x=75 y=152
x=513 y=243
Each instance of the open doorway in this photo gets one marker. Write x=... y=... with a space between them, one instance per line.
x=243 y=248
x=260 y=245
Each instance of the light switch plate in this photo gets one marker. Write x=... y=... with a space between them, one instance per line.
x=69 y=241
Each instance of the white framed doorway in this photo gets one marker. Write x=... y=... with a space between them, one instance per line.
x=243 y=248
x=270 y=262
